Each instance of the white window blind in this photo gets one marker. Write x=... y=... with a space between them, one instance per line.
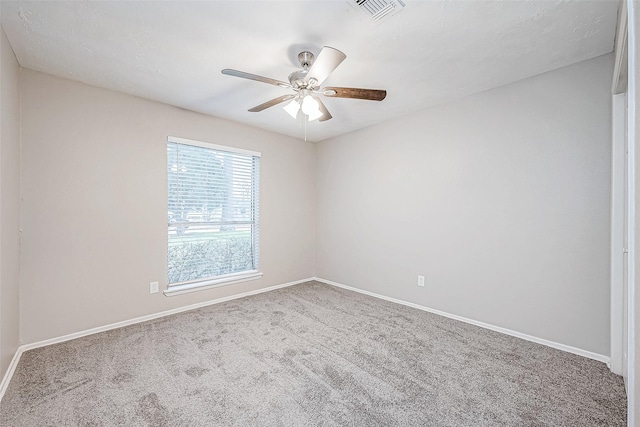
x=213 y=212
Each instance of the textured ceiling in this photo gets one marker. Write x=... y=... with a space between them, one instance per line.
x=431 y=52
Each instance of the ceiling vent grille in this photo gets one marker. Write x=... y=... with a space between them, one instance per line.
x=378 y=10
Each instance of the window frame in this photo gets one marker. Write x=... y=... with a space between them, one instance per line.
x=231 y=278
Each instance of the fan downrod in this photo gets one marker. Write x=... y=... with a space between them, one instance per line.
x=306 y=59
x=297 y=78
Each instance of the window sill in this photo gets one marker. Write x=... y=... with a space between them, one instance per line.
x=210 y=284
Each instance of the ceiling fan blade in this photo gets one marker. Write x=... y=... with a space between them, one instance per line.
x=271 y=103
x=326 y=115
x=354 y=93
x=255 y=77
x=327 y=61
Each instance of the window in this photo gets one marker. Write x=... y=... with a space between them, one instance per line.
x=212 y=215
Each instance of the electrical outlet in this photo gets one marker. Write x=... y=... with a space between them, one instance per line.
x=153 y=287
x=421 y=281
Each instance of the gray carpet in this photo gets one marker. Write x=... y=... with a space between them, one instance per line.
x=309 y=355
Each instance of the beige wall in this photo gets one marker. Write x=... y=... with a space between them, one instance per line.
x=9 y=203
x=500 y=199
x=94 y=214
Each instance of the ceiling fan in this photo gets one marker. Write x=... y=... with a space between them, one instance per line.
x=306 y=85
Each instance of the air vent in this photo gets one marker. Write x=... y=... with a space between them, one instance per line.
x=378 y=10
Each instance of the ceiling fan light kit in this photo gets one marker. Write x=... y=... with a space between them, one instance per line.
x=306 y=85
x=292 y=108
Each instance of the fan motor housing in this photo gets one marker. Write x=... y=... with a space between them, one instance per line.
x=297 y=79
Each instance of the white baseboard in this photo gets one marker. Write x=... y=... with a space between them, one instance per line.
x=16 y=358
x=9 y=374
x=558 y=346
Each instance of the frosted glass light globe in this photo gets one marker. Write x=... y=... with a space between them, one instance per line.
x=310 y=106
x=292 y=108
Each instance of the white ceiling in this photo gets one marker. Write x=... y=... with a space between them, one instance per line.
x=429 y=53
